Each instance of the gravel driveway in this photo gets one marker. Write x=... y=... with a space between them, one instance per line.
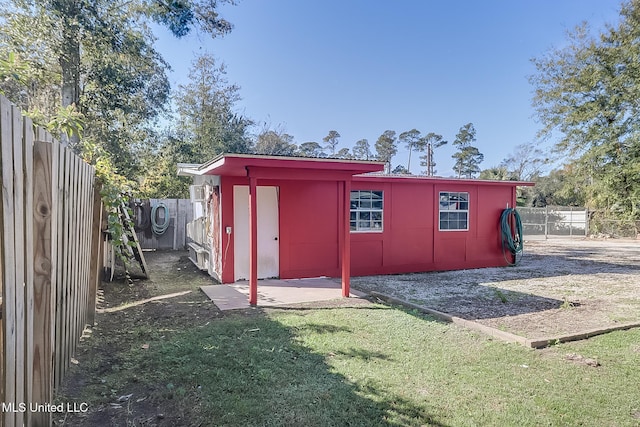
x=559 y=287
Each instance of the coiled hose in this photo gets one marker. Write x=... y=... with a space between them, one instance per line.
x=159 y=229
x=511 y=239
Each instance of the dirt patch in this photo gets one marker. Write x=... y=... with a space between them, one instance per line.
x=559 y=287
x=115 y=400
x=123 y=327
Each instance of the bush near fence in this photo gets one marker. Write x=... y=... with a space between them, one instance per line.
x=51 y=239
x=604 y=226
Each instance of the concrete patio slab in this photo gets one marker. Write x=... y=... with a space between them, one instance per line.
x=274 y=292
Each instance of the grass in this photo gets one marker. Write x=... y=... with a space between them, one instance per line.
x=367 y=365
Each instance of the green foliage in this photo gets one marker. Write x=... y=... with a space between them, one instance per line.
x=344 y=153
x=362 y=150
x=468 y=157
x=386 y=148
x=206 y=126
x=331 y=141
x=114 y=190
x=427 y=144
x=311 y=149
x=468 y=161
x=12 y=69
x=68 y=120
x=561 y=187
x=160 y=180
x=411 y=139
x=400 y=170
x=496 y=173
x=588 y=92
x=181 y=16
x=205 y=112
x=275 y=142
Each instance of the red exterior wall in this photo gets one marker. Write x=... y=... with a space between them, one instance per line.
x=411 y=240
x=310 y=218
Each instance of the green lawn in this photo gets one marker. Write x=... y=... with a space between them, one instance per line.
x=368 y=365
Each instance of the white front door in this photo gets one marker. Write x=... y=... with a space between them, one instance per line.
x=268 y=232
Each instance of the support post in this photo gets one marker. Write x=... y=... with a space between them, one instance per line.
x=253 y=242
x=345 y=238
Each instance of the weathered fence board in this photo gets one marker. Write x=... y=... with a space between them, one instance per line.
x=9 y=296
x=50 y=216
x=180 y=213
x=42 y=366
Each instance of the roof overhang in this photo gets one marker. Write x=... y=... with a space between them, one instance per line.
x=417 y=179
x=291 y=167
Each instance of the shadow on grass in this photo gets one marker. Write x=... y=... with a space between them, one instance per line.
x=319 y=328
x=253 y=371
x=363 y=354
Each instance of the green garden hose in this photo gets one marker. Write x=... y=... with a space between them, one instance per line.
x=511 y=239
x=159 y=229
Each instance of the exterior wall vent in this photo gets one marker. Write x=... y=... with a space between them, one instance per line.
x=196 y=193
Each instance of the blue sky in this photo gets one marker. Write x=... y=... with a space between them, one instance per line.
x=363 y=66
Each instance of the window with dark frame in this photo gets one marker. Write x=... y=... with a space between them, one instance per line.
x=454 y=211
x=366 y=210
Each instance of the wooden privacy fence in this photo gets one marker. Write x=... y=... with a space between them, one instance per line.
x=178 y=213
x=49 y=263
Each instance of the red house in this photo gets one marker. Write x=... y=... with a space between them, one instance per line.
x=290 y=217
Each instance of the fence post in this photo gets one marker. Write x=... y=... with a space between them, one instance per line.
x=96 y=259
x=546 y=222
x=570 y=221
x=586 y=222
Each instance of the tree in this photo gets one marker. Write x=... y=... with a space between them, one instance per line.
x=331 y=141
x=275 y=143
x=206 y=126
x=495 y=173
x=160 y=180
x=386 y=148
x=311 y=149
x=525 y=163
x=344 y=154
x=588 y=93
x=427 y=144
x=98 y=57
x=468 y=161
x=205 y=112
x=560 y=188
x=411 y=139
x=400 y=170
x=362 y=150
x=468 y=157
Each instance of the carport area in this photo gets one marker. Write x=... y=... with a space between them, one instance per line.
x=561 y=290
x=274 y=292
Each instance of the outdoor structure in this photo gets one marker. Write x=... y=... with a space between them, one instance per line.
x=288 y=217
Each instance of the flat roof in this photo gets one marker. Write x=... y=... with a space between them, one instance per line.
x=237 y=164
x=362 y=170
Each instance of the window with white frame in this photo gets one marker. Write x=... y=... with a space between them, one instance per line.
x=366 y=210
x=454 y=211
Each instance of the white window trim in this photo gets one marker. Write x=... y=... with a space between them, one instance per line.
x=440 y=193
x=370 y=230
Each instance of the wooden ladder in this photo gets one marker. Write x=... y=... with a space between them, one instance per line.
x=135 y=251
